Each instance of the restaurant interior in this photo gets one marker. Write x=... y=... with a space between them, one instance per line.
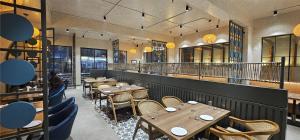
x=150 y=69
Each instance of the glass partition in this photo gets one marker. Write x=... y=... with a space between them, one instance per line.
x=92 y=59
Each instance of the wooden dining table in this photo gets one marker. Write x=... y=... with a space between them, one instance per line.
x=114 y=90
x=28 y=95
x=91 y=81
x=6 y=133
x=186 y=116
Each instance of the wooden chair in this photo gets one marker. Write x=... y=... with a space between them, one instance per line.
x=148 y=107
x=121 y=100
x=171 y=101
x=229 y=136
x=121 y=84
x=94 y=89
x=100 y=78
x=260 y=129
x=100 y=95
x=140 y=95
x=111 y=83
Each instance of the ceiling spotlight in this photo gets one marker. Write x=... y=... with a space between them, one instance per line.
x=82 y=36
x=137 y=45
x=275 y=13
x=67 y=30
x=187 y=8
x=217 y=26
x=104 y=17
x=181 y=34
x=143 y=14
x=180 y=26
x=101 y=34
x=197 y=31
x=172 y=1
x=142 y=27
x=209 y=20
x=170 y=32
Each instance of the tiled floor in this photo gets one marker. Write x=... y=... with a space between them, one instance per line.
x=90 y=124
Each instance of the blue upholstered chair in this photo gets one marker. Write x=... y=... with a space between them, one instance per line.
x=53 y=92
x=62 y=105
x=57 y=97
x=61 y=123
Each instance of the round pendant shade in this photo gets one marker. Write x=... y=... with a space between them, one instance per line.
x=170 y=45
x=296 y=30
x=36 y=32
x=209 y=38
x=147 y=49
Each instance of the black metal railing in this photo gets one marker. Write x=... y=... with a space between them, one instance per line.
x=233 y=72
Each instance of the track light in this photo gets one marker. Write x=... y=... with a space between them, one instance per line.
x=142 y=27
x=197 y=31
x=101 y=34
x=104 y=17
x=67 y=30
x=209 y=20
x=181 y=35
x=187 y=8
x=143 y=14
x=180 y=26
x=217 y=26
x=82 y=36
x=275 y=13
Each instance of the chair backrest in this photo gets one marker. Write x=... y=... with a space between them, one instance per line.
x=61 y=123
x=57 y=97
x=111 y=83
x=171 y=101
x=140 y=94
x=121 y=97
x=55 y=91
x=229 y=136
x=100 y=78
x=62 y=105
x=122 y=84
x=96 y=84
x=149 y=106
x=103 y=86
x=265 y=127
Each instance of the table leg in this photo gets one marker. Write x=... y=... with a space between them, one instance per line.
x=294 y=111
x=136 y=128
x=150 y=132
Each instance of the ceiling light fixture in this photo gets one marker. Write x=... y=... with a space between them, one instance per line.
x=209 y=20
x=101 y=34
x=209 y=38
x=181 y=34
x=296 y=30
x=142 y=27
x=197 y=31
x=104 y=17
x=67 y=30
x=143 y=14
x=275 y=13
x=83 y=36
x=180 y=26
x=217 y=26
x=187 y=8
x=170 y=45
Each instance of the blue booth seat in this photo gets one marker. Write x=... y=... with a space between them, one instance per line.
x=61 y=123
x=57 y=97
x=62 y=105
x=53 y=92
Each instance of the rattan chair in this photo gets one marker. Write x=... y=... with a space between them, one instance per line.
x=94 y=89
x=121 y=84
x=229 y=136
x=171 y=101
x=148 y=107
x=100 y=78
x=140 y=95
x=100 y=95
x=260 y=129
x=121 y=100
x=111 y=83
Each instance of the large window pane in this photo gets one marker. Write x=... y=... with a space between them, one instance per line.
x=197 y=54
x=267 y=52
x=282 y=48
x=187 y=54
x=92 y=59
x=218 y=53
x=207 y=55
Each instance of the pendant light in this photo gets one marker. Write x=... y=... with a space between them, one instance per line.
x=209 y=38
x=296 y=30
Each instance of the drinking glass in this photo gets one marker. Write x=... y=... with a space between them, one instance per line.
x=209 y=103
x=193 y=114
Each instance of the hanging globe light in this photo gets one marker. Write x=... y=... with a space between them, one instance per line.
x=36 y=32
x=147 y=49
x=296 y=30
x=209 y=38
x=170 y=45
x=132 y=50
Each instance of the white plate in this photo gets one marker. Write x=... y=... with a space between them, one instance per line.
x=179 y=131
x=171 y=109
x=107 y=91
x=192 y=102
x=39 y=109
x=206 y=117
x=33 y=124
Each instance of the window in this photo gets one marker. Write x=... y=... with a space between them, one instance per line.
x=92 y=59
x=275 y=47
x=123 y=57
x=187 y=54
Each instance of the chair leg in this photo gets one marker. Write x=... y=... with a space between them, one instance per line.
x=133 y=109
x=137 y=127
x=114 y=112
